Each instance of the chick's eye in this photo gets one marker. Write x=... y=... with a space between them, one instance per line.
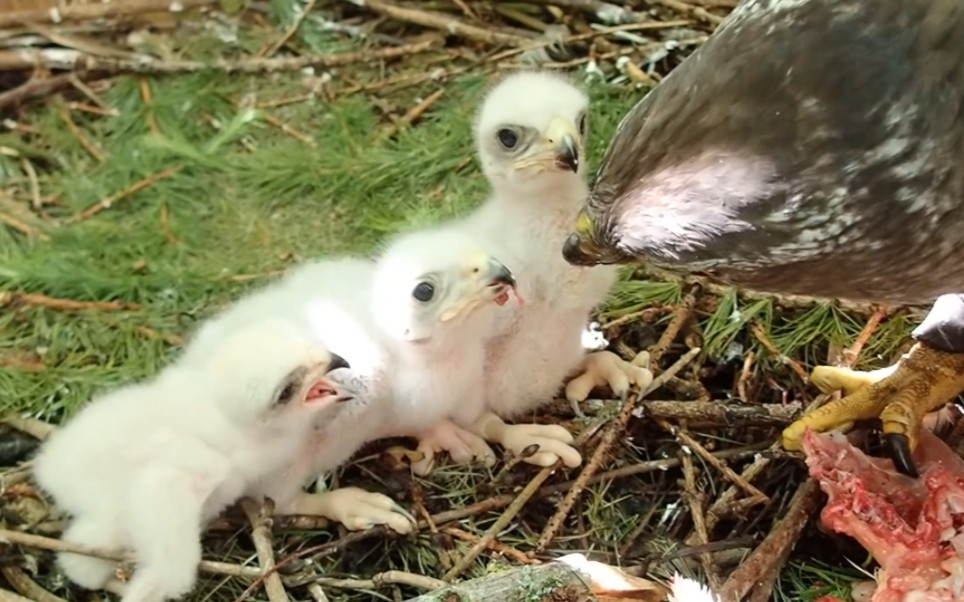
x=507 y=137
x=286 y=394
x=423 y=291
x=582 y=124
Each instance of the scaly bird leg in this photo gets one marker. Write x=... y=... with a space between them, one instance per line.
x=900 y=395
x=353 y=507
x=462 y=445
x=553 y=441
x=604 y=368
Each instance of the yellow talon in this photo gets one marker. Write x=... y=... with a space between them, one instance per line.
x=900 y=395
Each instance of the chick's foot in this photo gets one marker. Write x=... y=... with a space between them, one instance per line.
x=462 y=445
x=355 y=508
x=900 y=395
x=552 y=441
x=605 y=368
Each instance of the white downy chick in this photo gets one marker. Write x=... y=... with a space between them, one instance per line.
x=530 y=136
x=143 y=467
x=434 y=298
x=327 y=300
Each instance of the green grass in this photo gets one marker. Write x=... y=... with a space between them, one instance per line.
x=249 y=200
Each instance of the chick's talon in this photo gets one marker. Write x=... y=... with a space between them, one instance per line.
x=356 y=508
x=605 y=368
x=900 y=395
x=462 y=445
x=553 y=443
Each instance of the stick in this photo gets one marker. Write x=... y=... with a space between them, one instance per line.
x=36 y=299
x=25 y=585
x=291 y=30
x=694 y=499
x=23 y=228
x=77 y=60
x=260 y=518
x=34 y=88
x=772 y=552
x=381 y=580
x=57 y=545
x=442 y=22
x=35 y=428
x=96 y=10
x=84 y=142
x=683 y=438
x=106 y=203
x=605 y=444
x=8 y=596
x=412 y=114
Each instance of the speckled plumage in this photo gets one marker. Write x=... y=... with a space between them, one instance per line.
x=808 y=147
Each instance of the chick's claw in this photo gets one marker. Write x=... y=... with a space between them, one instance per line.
x=355 y=508
x=553 y=443
x=605 y=368
x=900 y=395
x=462 y=445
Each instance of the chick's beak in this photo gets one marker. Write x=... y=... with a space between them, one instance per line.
x=581 y=248
x=336 y=362
x=562 y=138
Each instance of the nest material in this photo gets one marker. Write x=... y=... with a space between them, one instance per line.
x=686 y=479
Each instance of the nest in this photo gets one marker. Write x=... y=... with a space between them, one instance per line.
x=687 y=478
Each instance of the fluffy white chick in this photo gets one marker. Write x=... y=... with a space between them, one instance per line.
x=530 y=137
x=143 y=467
x=434 y=298
x=327 y=300
x=684 y=589
x=413 y=324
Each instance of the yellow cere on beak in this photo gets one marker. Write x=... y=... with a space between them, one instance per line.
x=584 y=224
x=472 y=276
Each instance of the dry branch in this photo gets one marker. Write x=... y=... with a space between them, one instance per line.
x=97 y=10
x=259 y=515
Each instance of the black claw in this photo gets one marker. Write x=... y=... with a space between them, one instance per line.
x=899 y=447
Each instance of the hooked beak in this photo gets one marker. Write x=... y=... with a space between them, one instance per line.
x=324 y=391
x=581 y=248
x=500 y=281
x=336 y=362
x=484 y=279
x=562 y=138
x=558 y=150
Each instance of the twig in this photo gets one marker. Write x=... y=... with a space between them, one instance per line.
x=694 y=499
x=36 y=299
x=77 y=60
x=287 y=129
x=259 y=515
x=9 y=596
x=852 y=353
x=692 y=444
x=745 y=375
x=495 y=546
x=166 y=225
x=764 y=340
x=502 y=522
x=697 y=11
x=37 y=429
x=58 y=545
x=25 y=585
x=443 y=22
x=89 y=146
x=145 y=89
x=644 y=315
x=773 y=551
x=22 y=227
x=35 y=201
x=36 y=87
x=317 y=593
x=412 y=114
x=95 y=10
x=291 y=30
x=605 y=444
x=683 y=314
x=106 y=203
x=382 y=580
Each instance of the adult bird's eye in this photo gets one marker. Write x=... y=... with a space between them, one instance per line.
x=286 y=394
x=507 y=137
x=423 y=291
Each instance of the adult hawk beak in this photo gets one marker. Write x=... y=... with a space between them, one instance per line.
x=581 y=247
